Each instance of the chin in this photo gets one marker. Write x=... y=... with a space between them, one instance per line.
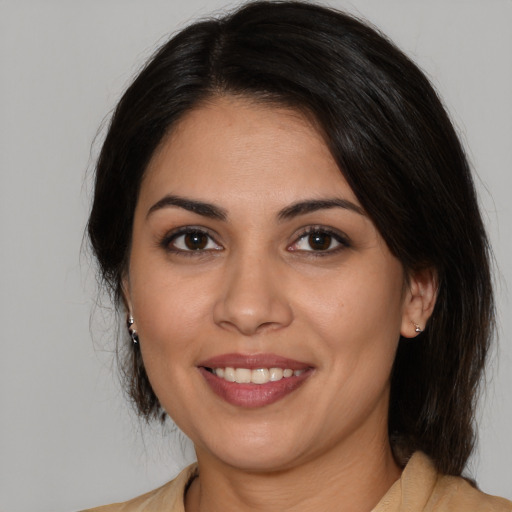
x=254 y=451
x=259 y=460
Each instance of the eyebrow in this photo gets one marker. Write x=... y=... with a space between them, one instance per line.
x=216 y=212
x=313 y=205
x=200 y=207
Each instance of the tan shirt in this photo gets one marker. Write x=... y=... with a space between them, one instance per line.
x=420 y=489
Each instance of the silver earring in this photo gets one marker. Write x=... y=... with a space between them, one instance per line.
x=417 y=328
x=133 y=333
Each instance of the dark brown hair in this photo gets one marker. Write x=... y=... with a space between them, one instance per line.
x=395 y=145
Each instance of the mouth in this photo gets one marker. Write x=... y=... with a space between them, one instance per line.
x=255 y=376
x=252 y=381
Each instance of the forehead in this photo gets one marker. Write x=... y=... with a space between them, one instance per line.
x=250 y=148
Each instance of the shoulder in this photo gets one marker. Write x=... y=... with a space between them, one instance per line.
x=422 y=488
x=168 y=497
x=454 y=494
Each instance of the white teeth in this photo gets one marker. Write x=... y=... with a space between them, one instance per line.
x=256 y=376
x=243 y=375
x=229 y=374
x=276 y=374
x=260 y=376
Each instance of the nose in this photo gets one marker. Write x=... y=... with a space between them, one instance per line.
x=252 y=298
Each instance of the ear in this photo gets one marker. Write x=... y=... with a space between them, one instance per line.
x=419 y=301
x=125 y=289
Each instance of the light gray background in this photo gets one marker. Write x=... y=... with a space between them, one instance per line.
x=66 y=438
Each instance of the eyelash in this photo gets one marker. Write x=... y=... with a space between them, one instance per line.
x=170 y=238
x=342 y=240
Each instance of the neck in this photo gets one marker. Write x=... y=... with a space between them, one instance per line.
x=357 y=479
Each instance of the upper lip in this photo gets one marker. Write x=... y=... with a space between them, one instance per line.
x=253 y=361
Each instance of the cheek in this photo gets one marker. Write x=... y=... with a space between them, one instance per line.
x=169 y=326
x=170 y=312
x=358 y=304
x=169 y=316
x=167 y=298
x=358 y=316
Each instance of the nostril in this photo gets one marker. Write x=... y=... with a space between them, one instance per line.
x=251 y=302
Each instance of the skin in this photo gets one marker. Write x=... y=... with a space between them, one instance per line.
x=257 y=287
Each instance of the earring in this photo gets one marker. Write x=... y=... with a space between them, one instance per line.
x=133 y=333
x=417 y=328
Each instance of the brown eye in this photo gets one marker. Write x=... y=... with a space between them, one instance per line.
x=320 y=241
x=191 y=240
x=195 y=241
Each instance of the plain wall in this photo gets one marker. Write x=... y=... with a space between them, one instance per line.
x=67 y=439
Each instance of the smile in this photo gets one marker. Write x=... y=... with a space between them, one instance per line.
x=254 y=376
x=254 y=380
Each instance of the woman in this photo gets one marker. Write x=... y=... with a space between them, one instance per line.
x=286 y=216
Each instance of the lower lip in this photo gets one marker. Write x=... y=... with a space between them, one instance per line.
x=253 y=395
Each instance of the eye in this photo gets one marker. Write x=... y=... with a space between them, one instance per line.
x=319 y=240
x=191 y=240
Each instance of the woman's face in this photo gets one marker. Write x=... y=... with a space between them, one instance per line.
x=252 y=259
